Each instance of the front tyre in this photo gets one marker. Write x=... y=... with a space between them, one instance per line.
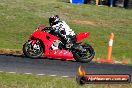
x=85 y=53
x=34 y=51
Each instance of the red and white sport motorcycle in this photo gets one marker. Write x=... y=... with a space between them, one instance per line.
x=46 y=42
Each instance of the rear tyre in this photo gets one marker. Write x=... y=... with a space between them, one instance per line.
x=33 y=51
x=85 y=54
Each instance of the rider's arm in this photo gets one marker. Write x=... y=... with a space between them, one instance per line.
x=68 y=30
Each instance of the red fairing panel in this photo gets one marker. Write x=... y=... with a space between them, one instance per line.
x=41 y=26
x=43 y=36
x=63 y=54
x=80 y=36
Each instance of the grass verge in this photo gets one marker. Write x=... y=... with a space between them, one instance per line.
x=19 y=18
x=32 y=81
x=11 y=51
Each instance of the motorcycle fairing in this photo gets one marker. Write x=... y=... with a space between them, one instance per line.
x=80 y=36
x=63 y=54
x=41 y=26
x=48 y=40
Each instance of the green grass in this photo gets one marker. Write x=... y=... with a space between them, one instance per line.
x=19 y=18
x=32 y=81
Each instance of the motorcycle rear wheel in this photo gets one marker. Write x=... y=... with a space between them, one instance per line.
x=30 y=51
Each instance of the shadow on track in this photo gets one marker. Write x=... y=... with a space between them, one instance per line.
x=14 y=55
x=23 y=56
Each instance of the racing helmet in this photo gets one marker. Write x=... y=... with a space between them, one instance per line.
x=54 y=20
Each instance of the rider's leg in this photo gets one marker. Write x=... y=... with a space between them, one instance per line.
x=70 y=41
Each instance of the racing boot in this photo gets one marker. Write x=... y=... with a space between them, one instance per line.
x=70 y=42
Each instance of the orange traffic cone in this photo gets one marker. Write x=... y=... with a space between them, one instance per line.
x=110 y=48
x=108 y=59
x=109 y=55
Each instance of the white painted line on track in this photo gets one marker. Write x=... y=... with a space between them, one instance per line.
x=36 y=74
x=53 y=75
x=28 y=73
x=40 y=74
x=65 y=76
x=11 y=72
x=1 y=71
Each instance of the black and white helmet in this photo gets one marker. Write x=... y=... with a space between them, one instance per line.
x=54 y=20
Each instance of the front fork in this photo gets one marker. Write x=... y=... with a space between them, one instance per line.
x=34 y=44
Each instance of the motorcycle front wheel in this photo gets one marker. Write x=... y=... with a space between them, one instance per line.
x=34 y=51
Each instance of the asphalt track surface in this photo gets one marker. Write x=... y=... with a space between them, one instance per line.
x=41 y=66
